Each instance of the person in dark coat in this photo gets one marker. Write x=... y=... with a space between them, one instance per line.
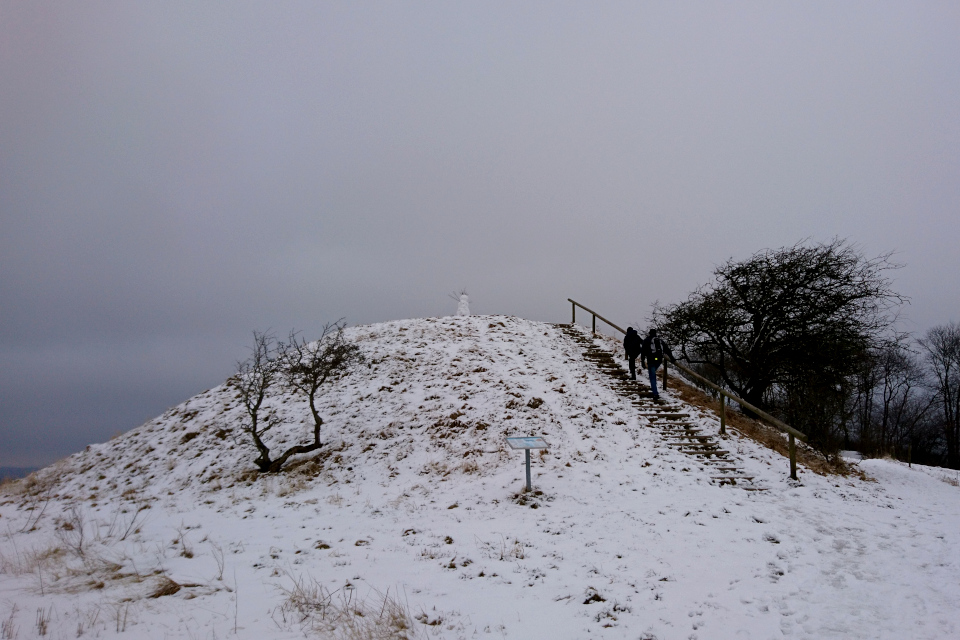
x=652 y=353
x=632 y=345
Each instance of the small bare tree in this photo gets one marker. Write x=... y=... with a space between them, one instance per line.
x=307 y=366
x=253 y=379
x=300 y=366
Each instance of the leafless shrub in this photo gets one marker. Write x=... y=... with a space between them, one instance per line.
x=39 y=498
x=123 y=525
x=71 y=531
x=43 y=621
x=133 y=526
x=121 y=613
x=503 y=551
x=8 y=628
x=217 y=552
x=341 y=615
x=87 y=619
x=185 y=550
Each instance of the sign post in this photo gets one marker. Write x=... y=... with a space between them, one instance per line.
x=526 y=444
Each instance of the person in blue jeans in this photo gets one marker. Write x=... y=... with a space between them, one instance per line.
x=652 y=353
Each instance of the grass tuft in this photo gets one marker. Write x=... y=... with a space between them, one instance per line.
x=342 y=615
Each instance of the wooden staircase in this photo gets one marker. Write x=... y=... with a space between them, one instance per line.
x=670 y=419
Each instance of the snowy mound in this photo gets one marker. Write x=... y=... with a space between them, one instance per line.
x=435 y=396
x=411 y=522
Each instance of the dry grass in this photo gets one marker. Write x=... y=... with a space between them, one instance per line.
x=165 y=587
x=30 y=561
x=764 y=434
x=39 y=484
x=343 y=615
x=8 y=627
x=80 y=554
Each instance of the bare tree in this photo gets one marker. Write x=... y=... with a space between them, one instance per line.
x=942 y=346
x=307 y=366
x=787 y=328
x=300 y=366
x=254 y=377
x=891 y=404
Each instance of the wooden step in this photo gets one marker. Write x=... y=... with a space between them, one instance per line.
x=694 y=446
x=705 y=452
x=673 y=422
x=659 y=414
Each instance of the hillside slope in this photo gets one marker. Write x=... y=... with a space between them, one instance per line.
x=416 y=501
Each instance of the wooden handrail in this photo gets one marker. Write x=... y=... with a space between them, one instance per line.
x=779 y=424
x=595 y=315
x=783 y=426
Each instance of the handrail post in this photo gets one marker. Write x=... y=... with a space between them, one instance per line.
x=793 y=457
x=664 y=374
x=573 y=308
x=594 y=323
x=723 y=414
x=577 y=304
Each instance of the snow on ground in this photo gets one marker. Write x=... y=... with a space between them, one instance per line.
x=415 y=497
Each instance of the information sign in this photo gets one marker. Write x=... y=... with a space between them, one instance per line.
x=526 y=444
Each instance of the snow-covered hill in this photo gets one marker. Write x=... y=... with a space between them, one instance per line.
x=413 y=514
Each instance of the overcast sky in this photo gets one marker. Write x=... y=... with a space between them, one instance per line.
x=175 y=175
